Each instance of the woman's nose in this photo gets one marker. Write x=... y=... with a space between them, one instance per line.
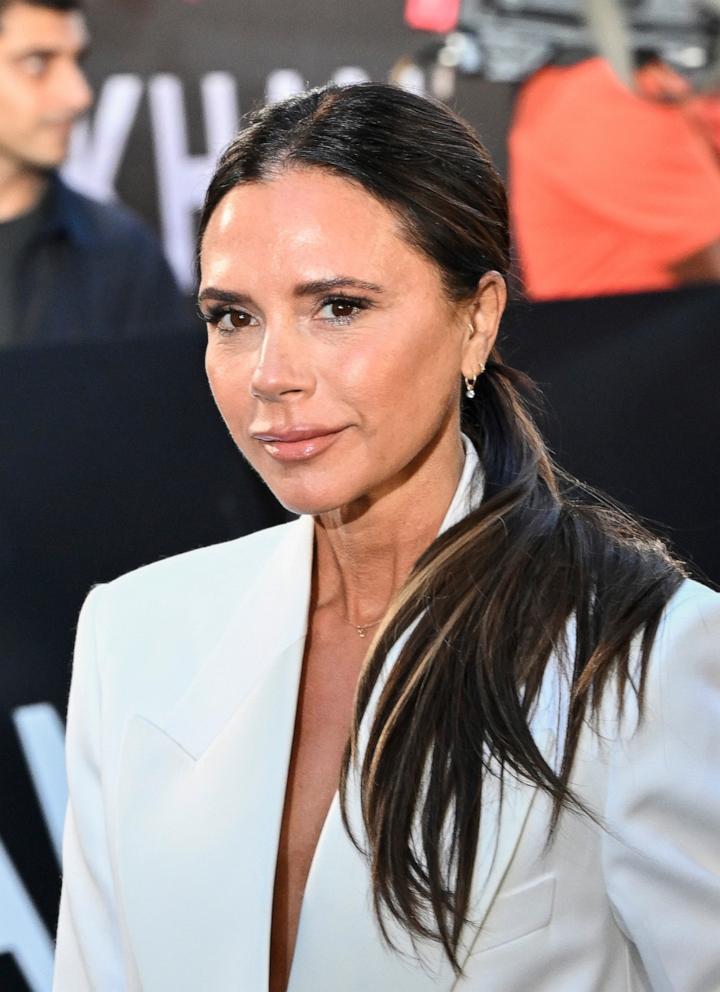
x=283 y=366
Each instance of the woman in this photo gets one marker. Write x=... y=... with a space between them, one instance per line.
x=500 y=818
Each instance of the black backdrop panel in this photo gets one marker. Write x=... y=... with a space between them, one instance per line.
x=112 y=456
x=634 y=405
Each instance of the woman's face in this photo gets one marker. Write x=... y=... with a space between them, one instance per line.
x=333 y=354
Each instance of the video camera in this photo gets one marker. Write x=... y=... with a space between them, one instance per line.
x=508 y=40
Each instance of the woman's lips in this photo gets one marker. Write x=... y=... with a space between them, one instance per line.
x=298 y=445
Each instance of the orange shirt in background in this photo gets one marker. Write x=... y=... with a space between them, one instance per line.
x=608 y=188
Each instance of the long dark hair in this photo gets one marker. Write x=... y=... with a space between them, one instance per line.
x=487 y=604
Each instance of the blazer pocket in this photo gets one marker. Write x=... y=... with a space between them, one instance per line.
x=517 y=913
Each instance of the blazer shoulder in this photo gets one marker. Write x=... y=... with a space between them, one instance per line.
x=691 y=614
x=663 y=801
x=683 y=682
x=190 y=580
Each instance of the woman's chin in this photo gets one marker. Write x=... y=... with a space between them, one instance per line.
x=316 y=493
x=307 y=503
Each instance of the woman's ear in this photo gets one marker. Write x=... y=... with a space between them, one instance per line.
x=483 y=322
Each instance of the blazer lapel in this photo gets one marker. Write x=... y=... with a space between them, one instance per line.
x=339 y=944
x=500 y=835
x=201 y=793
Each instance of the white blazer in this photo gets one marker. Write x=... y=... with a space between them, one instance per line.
x=180 y=726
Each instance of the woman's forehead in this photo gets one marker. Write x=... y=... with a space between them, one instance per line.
x=300 y=197
x=306 y=219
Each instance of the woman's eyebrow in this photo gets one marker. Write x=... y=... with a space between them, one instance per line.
x=313 y=288
x=318 y=286
x=223 y=295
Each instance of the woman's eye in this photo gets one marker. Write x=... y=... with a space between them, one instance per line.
x=341 y=310
x=232 y=320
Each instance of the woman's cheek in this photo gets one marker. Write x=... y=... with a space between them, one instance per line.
x=229 y=382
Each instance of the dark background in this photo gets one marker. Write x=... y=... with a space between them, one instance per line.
x=250 y=40
x=113 y=455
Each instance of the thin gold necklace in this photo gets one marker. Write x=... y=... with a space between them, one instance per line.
x=361 y=628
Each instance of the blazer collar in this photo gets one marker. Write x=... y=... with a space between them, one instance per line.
x=271 y=616
x=201 y=790
x=469 y=491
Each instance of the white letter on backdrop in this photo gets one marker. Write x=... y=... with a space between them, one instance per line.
x=182 y=177
x=347 y=74
x=281 y=84
x=42 y=738
x=96 y=149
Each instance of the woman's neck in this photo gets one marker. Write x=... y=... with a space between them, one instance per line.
x=364 y=552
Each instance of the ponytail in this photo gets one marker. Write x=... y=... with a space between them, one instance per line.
x=484 y=611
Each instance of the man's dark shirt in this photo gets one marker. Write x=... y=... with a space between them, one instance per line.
x=16 y=237
x=89 y=271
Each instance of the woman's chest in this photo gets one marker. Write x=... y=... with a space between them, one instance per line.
x=322 y=726
x=326 y=694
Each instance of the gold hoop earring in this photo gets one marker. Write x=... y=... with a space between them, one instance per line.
x=470 y=382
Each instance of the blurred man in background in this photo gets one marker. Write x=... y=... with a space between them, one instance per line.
x=70 y=268
x=614 y=189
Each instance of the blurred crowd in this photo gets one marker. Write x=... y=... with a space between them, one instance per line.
x=71 y=268
x=614 y=188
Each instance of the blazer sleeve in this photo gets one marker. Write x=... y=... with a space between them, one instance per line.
x=661 y=854
x=88 y=954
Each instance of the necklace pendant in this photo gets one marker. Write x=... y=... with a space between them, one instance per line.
x=361 y=631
